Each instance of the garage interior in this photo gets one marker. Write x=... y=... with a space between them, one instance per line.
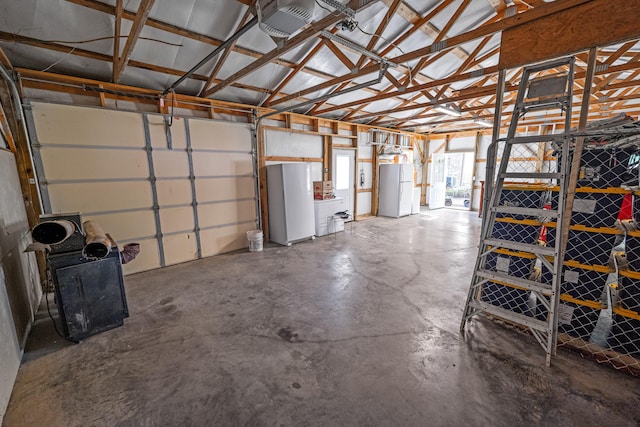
x=180 y=128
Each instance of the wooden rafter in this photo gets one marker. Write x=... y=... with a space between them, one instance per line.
x=107 y=58
x=339 y=54
x=391 y=10
x=4 y=60
x=223 y=57
x=455 y=41
x=292 y=43
x=116 y=40
x=296 y=70
x=141 y=17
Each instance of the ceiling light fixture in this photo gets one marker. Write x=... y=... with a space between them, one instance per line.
x=483 y=123
x=445 y=109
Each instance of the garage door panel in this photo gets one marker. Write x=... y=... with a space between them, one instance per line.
x=171 y=164
x=225 y=239
x=147 y=259
x=226 y=213
x=99 y=196
x=159 y=136
x=176 y=219
x=66 y=124
x=222 y=164
x=212 y=135
x=173 y=192
x=64 y=163
x=126 y=225
x=225 y=189
x=180 y=248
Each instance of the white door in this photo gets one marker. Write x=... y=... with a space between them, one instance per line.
x=438 y=181
x=344 y=164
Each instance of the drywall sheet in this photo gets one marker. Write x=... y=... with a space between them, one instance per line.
x=364 y=203
x=97 y=162
x=293 y=144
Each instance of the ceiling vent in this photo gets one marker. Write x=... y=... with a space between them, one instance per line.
x=281 y=18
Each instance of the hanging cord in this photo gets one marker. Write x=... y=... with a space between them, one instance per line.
x=53 y=321
x=173 y=100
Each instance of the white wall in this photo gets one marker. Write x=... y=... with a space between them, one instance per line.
x=19 y=280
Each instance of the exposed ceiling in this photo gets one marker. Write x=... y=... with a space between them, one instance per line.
x=161 y=39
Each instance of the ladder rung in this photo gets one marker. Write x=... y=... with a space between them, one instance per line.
x=535 y=138
x=522 y=247
x=542 y=103
x=549 y=65
x=520 y=319
x=516 y=281
x=514 y=210
x=531 y=175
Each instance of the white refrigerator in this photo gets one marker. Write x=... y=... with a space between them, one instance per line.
x=395 y=190
x=290 y=201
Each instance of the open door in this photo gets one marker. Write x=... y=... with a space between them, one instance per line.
x=344 y=164
x=438 y=186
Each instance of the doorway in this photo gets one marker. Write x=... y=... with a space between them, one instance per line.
x=459 y=180
x=344 y=165
x=438 y=181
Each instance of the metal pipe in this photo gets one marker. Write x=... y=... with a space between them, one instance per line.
x=97 y=244
x=53 y=232
x=215 y=52
x=18 y=109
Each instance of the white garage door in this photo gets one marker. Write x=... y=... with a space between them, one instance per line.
x=183 y=193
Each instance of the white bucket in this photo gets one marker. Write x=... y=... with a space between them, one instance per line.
x=255 y=240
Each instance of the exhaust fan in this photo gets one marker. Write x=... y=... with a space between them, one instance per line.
x=281 y=18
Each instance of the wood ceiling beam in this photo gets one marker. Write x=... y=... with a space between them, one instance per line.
x=339 y=54
x=454 y=18
x=138 y=24
x=4 y=36
x=4 y=60
x=416 y=21
x=295 y=70
x=621 y=51
x=482 y=31
x=498 y=5
x=481 y=92
x=391 y=10
x=310 y=31
x=173 y=29
x=223 y=57
x=413 y=17
x=116 y=40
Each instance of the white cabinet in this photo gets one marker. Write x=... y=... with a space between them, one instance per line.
x=325 y=210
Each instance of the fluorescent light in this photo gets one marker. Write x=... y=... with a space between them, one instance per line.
x=447 y=110
x=483 y=123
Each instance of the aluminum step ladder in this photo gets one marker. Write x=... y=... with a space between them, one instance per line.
x=542 y=87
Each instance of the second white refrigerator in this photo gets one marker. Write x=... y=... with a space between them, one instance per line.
x=395 y=190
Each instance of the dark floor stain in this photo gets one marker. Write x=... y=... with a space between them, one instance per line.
x=165 y=301
x=252 y=298
x=296 y=385
x=167 y=309
x=287 y=334
x=232 y=315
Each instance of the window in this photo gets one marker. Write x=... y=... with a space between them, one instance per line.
x=342 y=172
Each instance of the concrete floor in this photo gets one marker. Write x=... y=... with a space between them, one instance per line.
x=356 y=329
